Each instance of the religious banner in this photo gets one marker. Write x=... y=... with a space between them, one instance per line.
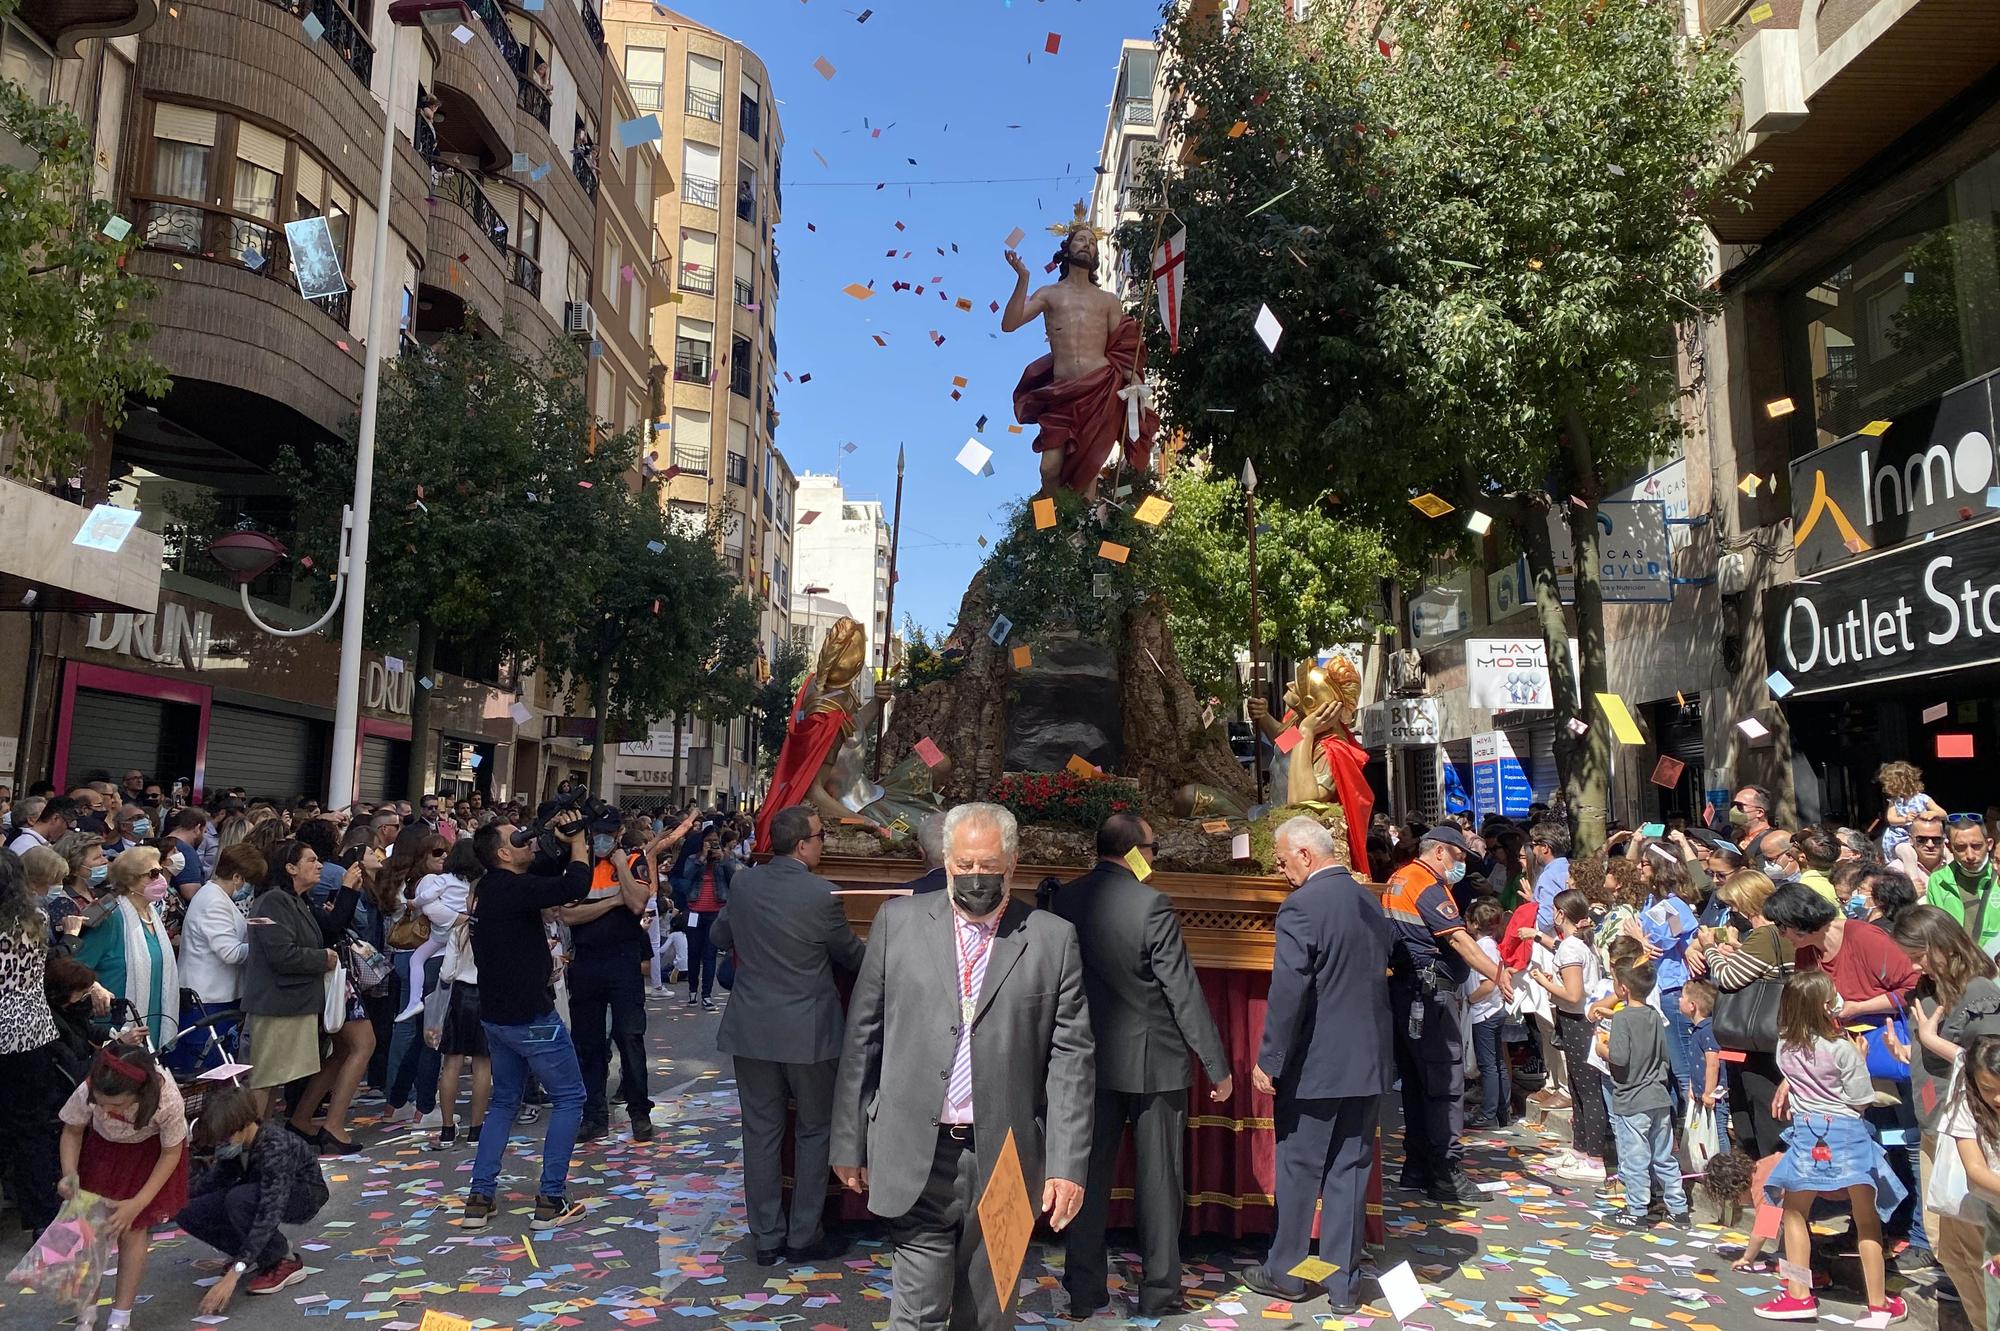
x=1169 y=268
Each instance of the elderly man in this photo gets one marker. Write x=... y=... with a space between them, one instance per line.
x=966 y=1027
x=42 y=821
x=930 y=840
x=1327 y=1060
x=1146 y=1012
x=782 y=1027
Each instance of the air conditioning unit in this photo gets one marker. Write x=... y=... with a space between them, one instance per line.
x=579 y=320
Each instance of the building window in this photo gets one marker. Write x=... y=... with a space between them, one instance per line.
x=694 y=351
x=701 y=174
x=749 y=116
x=646 y=75
x=746 y=191
x=704 y=87
x=697 y=272
x=740 y=368
x=183 y=143
x=27 y=62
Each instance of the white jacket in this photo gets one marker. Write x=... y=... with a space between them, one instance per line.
x=215 y=938
x=442 y=898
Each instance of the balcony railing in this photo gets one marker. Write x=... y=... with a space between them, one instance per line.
x=1138 y=111
x=694 y=367
x=524 y=272
x=774 y=277
x=703 y=193
x=647 y=96
x=592 y=25
x=338 y=32
x=227 y=237
x=503 y=36
x=739 y=469
x=583 y=164
x=528 y=95
x=750 y=118
x=424 y=137
x=739 y=377
x=691 y=461
x=459 y=188
x=746 y=202
x=707 y=105
x=746 y=294
x=698 y=278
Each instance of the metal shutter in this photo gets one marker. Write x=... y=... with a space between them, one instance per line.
x=377 y=761
x=115 y=732
x=267 y=753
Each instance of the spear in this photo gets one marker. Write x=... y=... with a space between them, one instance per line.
x=889 y=616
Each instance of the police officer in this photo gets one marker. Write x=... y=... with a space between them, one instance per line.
x=1432 y=957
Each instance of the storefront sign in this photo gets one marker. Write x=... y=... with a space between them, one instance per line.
x=1634 y=564
x=387 y=690
x=1402 y=722
x=175 y=637
x=1668 y=487
x=1929 y=607
x=1499 y=783
x=1871 y=491
x=1509 y=591
x=1508 y=674
x=1444 y=609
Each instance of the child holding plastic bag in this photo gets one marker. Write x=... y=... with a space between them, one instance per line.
x=125 y=1139
x=67 y=1262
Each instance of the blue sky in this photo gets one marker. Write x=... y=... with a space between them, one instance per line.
x=943 y=80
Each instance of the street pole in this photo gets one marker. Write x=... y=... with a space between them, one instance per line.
x=1256 y=634
x=888 y=618
x=347 y=698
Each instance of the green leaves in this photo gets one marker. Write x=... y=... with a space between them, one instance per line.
x=73 y=337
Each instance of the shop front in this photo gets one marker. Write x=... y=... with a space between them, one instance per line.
x=195 y=691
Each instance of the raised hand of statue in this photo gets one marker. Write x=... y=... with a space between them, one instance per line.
x=1015 y=262
x=1322 y=720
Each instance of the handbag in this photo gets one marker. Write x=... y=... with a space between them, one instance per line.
x=411 y=931
x=1746 y=1019
x=1948 y=1191
x=1882 y=1064
x=368 y=967
x=333 y=1011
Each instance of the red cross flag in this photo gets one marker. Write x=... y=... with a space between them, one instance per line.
x=1169 y=267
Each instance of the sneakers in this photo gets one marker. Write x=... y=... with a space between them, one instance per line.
x=1632 y=1220
x=282 y=1276
x=447 y=1137
x=642 y=1129
x=555 y=1212
x=708 y=1005
x=1883 y=1314
x=478 y=1212
x=1785 y=1308
x=693 y=999
x=1582 y=1170
x=1679 y=1219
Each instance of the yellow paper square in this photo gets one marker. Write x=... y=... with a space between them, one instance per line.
x=1239 y=129
x=1045 y=514
x=1114 y=552
x=437 y=1321
x=1077 y=765
x=1431 y=506
x=1314 y=1270
x=1780 y=407
x=1759 y=14
x=1748 y=485
x=858 y=291
x=1153 y=511
x=1136 y=862
x=1876 y=429
x=1620 y=717
x=1023 y=658
x=1215 y=826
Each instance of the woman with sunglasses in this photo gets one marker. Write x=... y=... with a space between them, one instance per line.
x=128 y=945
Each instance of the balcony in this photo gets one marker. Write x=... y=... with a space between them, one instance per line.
x=530 y=97
x=583 y=165
x=228 y=237
x=739 y=377
x=739 y=469
x=1137 y=111
x=339 y=34
x=694 y=363
x=774 y=286
x=746 y=202
x=701 y=193
x=524 y=272
x=746 y=294
x=698 y=278
x=691 y=461
x=750 y=118
x=503 y=36
x=424 y=135
x=457 y=187
x=65 y=23
x=647 y=96
x=707 y=105
x=593 y=25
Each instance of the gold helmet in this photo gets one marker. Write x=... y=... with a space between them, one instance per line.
x=842 y=655
x=1314 y=685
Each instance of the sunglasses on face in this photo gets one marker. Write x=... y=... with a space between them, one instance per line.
x=1927 y=841
x=1148 y=845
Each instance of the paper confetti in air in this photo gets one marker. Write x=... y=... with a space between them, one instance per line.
x=1752 y=728
x=1777 y=408
x=1478 y=523
x=1875 y=429
x=1045 y=514
x=461 y=34
x=1152 y=511
x=1936 y=713
x=927 y=749
x=1239 y=846
x=1054 y=44
x=641 y=129
x=1114 y=552
x=1135 y=860
x=117 y=228
x=858 y=291
x=1014 y=238
x=974 y=456
x=1400 y=1288
x=521 y=713
x=1779 y=685
x=1023 y=658
x=1001 y=627
x=1620 y=717
x=1268 y=328
x=824 y=68
x=1954 y=746
x=1432 y=506
x=314 y=28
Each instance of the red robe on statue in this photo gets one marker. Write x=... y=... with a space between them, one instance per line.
x=1344 y=761
x=1084 y=417
x=811 y=739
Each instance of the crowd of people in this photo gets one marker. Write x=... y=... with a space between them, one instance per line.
x=1797 y=1018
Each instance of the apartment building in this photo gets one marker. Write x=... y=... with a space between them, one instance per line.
x=510 y=216
x=843 y=548
x=1129 y=153
x=716 y=333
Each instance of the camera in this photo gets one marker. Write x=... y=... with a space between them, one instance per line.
x=599 y=815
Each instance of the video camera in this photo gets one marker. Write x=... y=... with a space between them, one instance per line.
x=599 y=815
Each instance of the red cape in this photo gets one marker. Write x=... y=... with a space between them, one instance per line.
x=1084 y=417
x=1344 y=761
x=808 y=742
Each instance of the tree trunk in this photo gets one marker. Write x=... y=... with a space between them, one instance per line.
x=1166 y=745
x=679 y=722
x=417 y=772
x=1590 y=778
x=600 y=698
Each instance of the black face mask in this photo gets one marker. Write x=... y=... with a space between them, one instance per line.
x=978 y=894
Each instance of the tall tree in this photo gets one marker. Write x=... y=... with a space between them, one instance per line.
x=72 y=344
x=1478 y=226
x=490 y=478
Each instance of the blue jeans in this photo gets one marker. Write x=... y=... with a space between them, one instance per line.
x=542 y=1047
x=701 y=957
x=413 y=1064
x=1680 y=1052
x=1646 y=1153
x=1496 y=1077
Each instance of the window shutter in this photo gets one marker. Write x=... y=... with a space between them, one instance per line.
x=184 y=124
x=260 y=147
x=311 y=184
x=705 y=74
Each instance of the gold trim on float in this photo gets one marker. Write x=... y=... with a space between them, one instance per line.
x=1233 y=1124
x=1230 y=1200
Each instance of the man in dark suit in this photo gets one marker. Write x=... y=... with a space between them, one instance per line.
x=930 y=840
x=1146 y=1012
x=966 y=1024
x=783 y=1027
x=1327 y=1059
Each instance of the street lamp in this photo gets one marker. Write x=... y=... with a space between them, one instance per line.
x=247 y=555
x=347 y=696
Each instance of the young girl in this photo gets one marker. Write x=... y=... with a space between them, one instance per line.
x=1829 y=1151
x=1972 y=1126
x=1569 y=988
x=1485 y=1015
x=1904 y=785
x=125 y=1139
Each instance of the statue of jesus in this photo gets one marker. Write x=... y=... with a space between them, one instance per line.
x=1088 y=393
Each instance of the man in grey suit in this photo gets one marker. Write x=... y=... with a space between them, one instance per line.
x=1146 y=1012
x=1327 y=1059
x=783 y=1027
x=930 y=840
x=967 y=1023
